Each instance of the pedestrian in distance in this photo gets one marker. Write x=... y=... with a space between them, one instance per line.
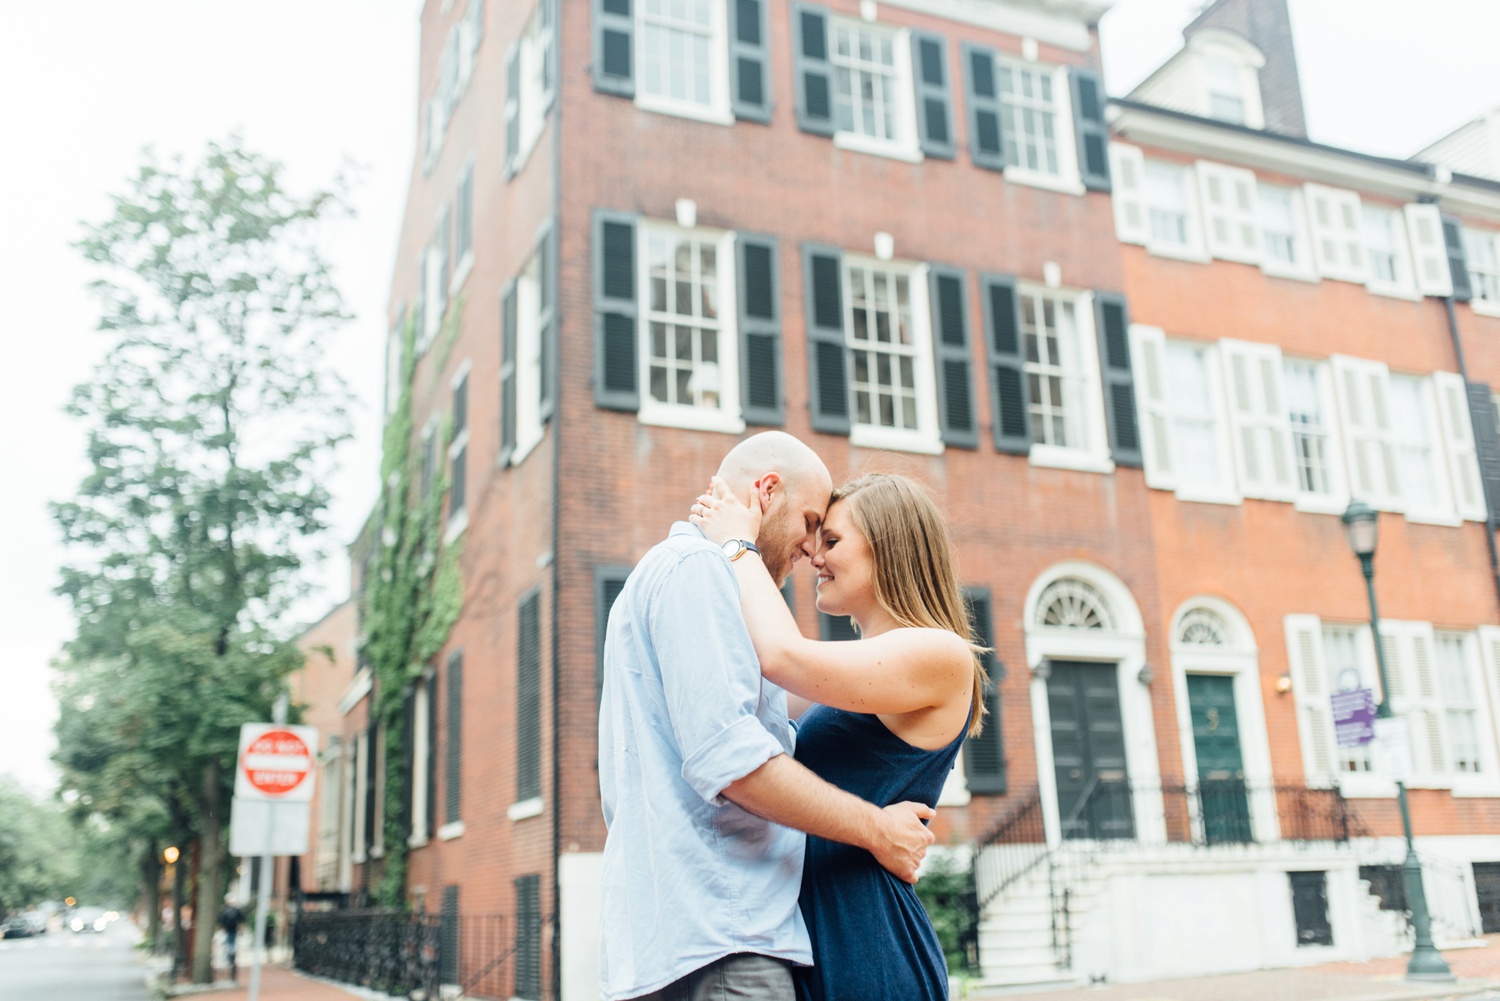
x=230 y=919
x=891 y=711
x=702 y=798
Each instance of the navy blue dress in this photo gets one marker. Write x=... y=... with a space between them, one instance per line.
x=871 y=938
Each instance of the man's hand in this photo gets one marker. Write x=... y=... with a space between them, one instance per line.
x=901 y=839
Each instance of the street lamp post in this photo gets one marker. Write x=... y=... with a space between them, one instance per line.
x=1361 y=525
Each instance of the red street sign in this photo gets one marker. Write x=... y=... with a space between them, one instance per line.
x=276 y=762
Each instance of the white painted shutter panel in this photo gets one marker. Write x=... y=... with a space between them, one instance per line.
x=1229 y=212
x=1409 y=665
x=1261 y=432
x=1363 y=390
x=1424 y=224
x=1148 y=346
x=1127 y=167
x=1337 y=232
x=1457 y=434
x=1304 y=648
x=1489 y=656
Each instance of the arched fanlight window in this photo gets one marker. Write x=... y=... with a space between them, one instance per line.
x=1203 y=627
x=1069 y=603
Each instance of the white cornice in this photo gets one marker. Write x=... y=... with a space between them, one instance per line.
x=1064 y=23
x=1243 y=148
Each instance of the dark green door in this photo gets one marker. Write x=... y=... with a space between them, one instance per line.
x=1088 y=751
x=1221 y=767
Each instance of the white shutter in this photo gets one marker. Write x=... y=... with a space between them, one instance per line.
x=1260 y=430
x=1414 y=695
x=1337 y=224
x=1229 y=212
x=1489 y=656
x=1148 y=347
x=1128 y=176
x=1304 y=649
x=1424 y=225
x=1457 y=434
x=1363 y=391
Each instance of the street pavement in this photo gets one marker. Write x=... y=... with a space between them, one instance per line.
x=63 y=966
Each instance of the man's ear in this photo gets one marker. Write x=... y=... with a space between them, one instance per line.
x=768 y=486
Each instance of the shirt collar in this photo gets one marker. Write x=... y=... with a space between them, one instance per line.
x=686 y=528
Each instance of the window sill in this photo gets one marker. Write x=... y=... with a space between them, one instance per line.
x=1034 y=179
x=416 y=841
x=1367 y=786
x=856 y=143
x=1353 y=279
x=523 y=448
x=1469 y=786
x=450 y=831
x=456 y=526
x=355 y=693
x=1484 y=308
x=1319 y=504
x=1445 y=519
x=1394 y=292
x=718 y=115
x=891 y=439
x=690 y=419
x=1192 y=254
x=525 y=809
x=1052 y=457
x=461 y=273
x=1290 y=273
x=1197 y=495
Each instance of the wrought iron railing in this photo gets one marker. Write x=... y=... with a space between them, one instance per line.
x=1015 y=846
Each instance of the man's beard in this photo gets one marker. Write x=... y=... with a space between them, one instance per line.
x=773 y=544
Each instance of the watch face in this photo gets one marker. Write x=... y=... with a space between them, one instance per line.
x=732 y=548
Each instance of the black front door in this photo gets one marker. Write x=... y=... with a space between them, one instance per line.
x=1221 y=767
x=1088 y=751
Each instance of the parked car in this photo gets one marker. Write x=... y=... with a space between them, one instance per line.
x=16 y=928
x=38 y=921
x=87 y=919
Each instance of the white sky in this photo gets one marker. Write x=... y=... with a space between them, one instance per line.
x=87 y=84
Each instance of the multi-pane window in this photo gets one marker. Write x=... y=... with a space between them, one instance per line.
x=1310 y=442
x=1382 y=246
x=1460 y=719
x=1342 y=661
x=463 y=208
x=1412 y=436
x=1482 y=251
x=1167 y=196
x=685 y=328
x=1028 y=98
x=1226 y=94
x=1280 y=228
x=866 y=81
x=1196 y=451
x=677 y=51
x=1054 y=369
x=531 y=306
x=882 y=344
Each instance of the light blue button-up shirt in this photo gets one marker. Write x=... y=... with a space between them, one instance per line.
x=688 y=877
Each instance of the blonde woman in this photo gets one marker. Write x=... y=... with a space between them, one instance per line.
x=890 y=712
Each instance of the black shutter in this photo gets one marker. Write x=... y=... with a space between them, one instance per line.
x=955 y=382
x=985 y=128
x=750 y=62
x=508 y=373
x=1112 y=323
x=461 y=406
x=984 y=756
x=432 y=731
x=448 y=937
x=529 y=698
x=454 y=739
x=1487 y=444
x=528 y=938
x=828 y=361
x=408 y=756
x=760 y=331
x=814 y=70
x=614 y=47
x=546 y=284
x=1458 y=265
x=458 y=485
x=1008 y=399
x=836 y=627
x=608 y=583
x=934 y=96
x=615 y=383
x=1088 y=122
x=372 y=742
x=512 y=109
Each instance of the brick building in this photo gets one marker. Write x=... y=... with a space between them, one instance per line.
x=1144 y=351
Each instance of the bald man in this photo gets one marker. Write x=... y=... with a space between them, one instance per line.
x=704 y=804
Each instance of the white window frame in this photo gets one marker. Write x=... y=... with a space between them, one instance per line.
x=377 y=836
x=435 y=293
x=1456 y=430
x=1482 y=272
x=1312 y=689
x=1485 y=782
x=1440 y=509
x=1363 y=391
x=718 y=111
x=906 y=145
x=1303 y=267
x=528 y=360
x=728 y=417
x=361 y=790
x=537 y=51
x=1338 y=238
x=1127 y=171
x=1260 y=424
x=1429 y=249
x=421 y=694
x=1067 y=179
x=394 y=350
x=459 y=520
x=455 y=67
x=1391 y=223
x=1192 y=249
x=1157 y=418
x=926 y=438
x=1336 y=500
x=463 y=226
x=1094 y=455
x=1231 y=212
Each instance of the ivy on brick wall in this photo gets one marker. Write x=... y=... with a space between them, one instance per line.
x=413 y=595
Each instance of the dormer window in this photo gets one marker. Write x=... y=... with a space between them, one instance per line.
x=1228 y=77
x=1226 y=89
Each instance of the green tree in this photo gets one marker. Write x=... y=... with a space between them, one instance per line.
x=211 y=426
x=35 y=849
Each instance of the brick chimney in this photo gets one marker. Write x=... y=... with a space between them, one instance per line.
x=1268 y=26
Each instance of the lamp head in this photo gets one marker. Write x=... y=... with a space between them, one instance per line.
x=1361 y=526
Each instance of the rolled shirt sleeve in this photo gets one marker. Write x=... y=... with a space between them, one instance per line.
x=710 y=675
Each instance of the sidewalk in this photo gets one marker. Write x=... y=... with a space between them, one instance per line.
x=1478 y=972
x=277 y=983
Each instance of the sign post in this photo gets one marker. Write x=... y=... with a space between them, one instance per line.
x=273 y=787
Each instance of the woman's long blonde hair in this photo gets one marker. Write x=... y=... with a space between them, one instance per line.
x=914 y=577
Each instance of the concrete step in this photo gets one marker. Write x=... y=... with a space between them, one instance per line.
x=1020 y=981
x=999 y=943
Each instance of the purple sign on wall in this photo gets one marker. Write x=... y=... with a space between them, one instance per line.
x=1354 y=717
